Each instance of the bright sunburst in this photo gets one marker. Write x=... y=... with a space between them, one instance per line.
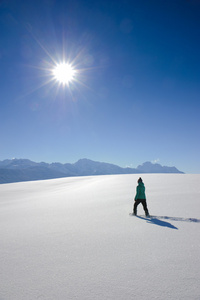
x=64 y=73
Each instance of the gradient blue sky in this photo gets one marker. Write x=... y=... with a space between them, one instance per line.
x=137 y=94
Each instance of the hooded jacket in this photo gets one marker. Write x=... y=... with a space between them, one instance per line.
x=140 y=191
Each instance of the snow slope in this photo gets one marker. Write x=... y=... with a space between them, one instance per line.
x=74 y=238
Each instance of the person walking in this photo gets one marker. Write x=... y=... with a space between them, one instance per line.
x=140 y=197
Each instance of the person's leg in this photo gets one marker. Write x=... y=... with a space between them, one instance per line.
x=144 y=203
x=135 y=207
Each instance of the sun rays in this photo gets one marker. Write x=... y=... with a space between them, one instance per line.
x=63 y=72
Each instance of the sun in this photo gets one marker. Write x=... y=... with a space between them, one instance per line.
x=64 y=73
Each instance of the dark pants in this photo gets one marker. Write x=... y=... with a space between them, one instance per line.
x=144 y=203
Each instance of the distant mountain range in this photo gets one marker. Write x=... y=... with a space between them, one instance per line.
x=16 y=170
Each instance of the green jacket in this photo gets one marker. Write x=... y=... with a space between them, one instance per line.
x=140 y=191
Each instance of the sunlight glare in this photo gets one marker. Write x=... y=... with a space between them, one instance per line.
x=64 y=73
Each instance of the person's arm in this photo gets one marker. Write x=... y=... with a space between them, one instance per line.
x=137 y=191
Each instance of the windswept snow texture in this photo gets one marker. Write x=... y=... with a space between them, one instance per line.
x=75 y=238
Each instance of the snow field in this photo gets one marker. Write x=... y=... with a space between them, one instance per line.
x=74 y=238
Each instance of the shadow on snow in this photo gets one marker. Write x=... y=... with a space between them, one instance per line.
x=157 y=220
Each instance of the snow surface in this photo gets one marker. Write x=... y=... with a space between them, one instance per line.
x=75 y=238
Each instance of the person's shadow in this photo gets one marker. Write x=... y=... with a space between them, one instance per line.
x=156 y=221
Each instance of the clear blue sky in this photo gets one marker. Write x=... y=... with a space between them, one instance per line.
x=137 y=93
